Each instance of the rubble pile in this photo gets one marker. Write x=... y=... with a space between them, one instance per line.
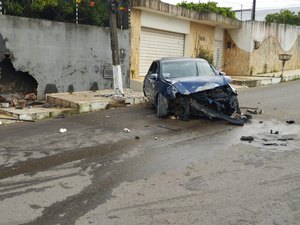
x=19 y=101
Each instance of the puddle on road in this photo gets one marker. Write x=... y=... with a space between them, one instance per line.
x=275 y=136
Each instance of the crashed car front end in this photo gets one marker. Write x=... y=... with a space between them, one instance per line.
x=211 y=98
x=189 y=86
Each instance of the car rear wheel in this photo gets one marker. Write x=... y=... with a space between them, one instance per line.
x=162 y=106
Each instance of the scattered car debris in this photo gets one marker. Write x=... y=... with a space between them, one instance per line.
x=189 y=86
x=252 y=111
x=155 y=138
x=63 y=130
x=137 y=137
x=261 y=121
x=276 y=132
x=247 y=138
x=126 y=130
x=1 y=123
x=107 y=116
x=285 y=139
x=282 y=139
x=269 y=144
x=168 y=128
x=290 y=121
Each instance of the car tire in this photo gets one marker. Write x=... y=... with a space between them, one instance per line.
x=162 y=106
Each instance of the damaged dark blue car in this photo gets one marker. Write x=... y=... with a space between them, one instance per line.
x=191 y=86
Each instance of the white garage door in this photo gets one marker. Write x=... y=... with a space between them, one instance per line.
x=156 y=44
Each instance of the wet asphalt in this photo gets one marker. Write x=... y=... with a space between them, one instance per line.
x=47 y=177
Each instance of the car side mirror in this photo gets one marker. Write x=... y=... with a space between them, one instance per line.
x=222 y=73
x=153 y=76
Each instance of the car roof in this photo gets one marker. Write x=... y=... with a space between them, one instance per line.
x=169 y=59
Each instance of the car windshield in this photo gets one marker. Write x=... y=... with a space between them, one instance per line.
x=186 y=68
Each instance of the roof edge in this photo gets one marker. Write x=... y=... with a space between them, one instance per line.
x=206 y=18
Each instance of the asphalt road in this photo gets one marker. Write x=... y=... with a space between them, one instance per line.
x=165 y=171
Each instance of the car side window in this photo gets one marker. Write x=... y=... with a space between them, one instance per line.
x=153 y=68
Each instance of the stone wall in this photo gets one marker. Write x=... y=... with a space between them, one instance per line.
x=62 y=54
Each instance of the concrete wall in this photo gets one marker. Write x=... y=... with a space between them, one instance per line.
x=163 y=22
x=196 y=35
x=62 y=54
x=236 y=60
x=201 y=36
x=259 y=31
x=243 y=58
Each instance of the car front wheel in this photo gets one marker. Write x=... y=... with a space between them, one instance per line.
x=162 y=106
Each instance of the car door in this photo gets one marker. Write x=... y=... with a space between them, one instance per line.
x=150 y=82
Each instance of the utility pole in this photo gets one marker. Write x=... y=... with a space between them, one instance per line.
x=117 y=73
x=253 y=10
x=0 y=7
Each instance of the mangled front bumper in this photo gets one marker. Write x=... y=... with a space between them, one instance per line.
x=219 y=103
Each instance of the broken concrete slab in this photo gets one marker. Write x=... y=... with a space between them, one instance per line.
x=77 y=102
x=36 y=113
x=90 y=101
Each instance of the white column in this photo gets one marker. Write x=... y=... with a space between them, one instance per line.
x=118 y=82
x=0 y=7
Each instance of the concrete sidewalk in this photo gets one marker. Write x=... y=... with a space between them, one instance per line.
x=63 y=104
x=266 y=79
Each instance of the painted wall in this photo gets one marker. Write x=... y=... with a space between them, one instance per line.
x=201 y=37
x=265 y=59
x=243 y=58
x=135 y=43
x=156 y=21
x=166 y=23
x=236 y=60
x=62 y=54
x=196 y=35
x=259 y=31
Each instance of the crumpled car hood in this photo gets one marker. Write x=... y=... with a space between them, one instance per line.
x=190 y=85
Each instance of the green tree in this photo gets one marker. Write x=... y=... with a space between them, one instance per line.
x=208 y=7
x=285 y=17
x=60 y=10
